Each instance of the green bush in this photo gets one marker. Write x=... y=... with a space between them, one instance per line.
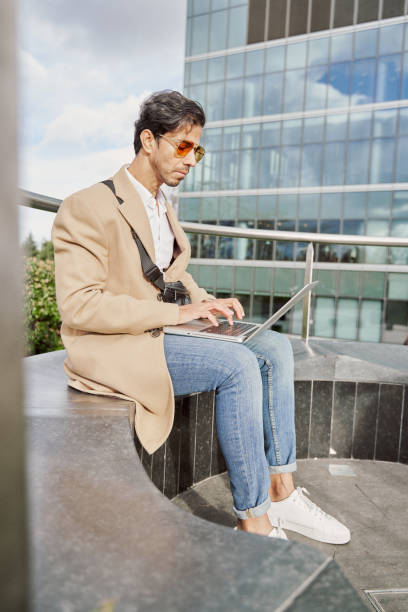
x=42 y=320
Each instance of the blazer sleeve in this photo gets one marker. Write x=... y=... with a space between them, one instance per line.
x=81 y=270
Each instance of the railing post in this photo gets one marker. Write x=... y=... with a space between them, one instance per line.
x=306 y=299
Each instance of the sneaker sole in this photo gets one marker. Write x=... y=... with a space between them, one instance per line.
x=309 y=532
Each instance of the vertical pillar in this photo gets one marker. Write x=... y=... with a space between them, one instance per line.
x=13 y=572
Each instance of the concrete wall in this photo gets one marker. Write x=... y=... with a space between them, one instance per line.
x=13 y=591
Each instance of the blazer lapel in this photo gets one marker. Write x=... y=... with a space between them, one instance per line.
x=133 y=210
x=182 y=253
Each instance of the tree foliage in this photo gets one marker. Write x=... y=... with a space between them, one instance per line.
x=42 y=320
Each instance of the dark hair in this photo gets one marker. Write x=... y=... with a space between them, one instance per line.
x=165 y=111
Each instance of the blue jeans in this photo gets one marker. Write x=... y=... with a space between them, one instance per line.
x=254 y=407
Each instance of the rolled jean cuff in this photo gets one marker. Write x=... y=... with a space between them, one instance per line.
x=283 y=469
x=256 y=511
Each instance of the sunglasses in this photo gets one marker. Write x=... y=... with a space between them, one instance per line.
x=183 y=148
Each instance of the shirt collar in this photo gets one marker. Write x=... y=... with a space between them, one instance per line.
x=148 y=198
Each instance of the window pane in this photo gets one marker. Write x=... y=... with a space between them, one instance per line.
x=360 y=126
x=248 y=174
x=391 y=39
x=260 y=308
x=308 y=206
x=192 y=209
x=233 y=98
x=376 y=254
x=269 y=168
x=320 y=15
x=262 y=281
x=397 y=286
x=336 y=127
x=218 y=30
x=235 y=65
x=266 y=209
x=385 y=122
x=327 y=282
x=367 y=10
x=256 y=23
x=199 y=35
x=362 y=83
x=399 y=229
x=403 y=121
x=292 y=131
x=209 y=210
x=254 y=62
x=287 y=206
x=388 y=78
x=250 y=136
x=313 y=129
x=401 y=175
x=232 y=137
x=298 y=17
x=294 y=88
x=365 y=43
x=273 y=93
x=213 y=138
x=400 y=205
x=211 y=171
x=224 y=277
x=318 y=51
x=289 y=167
x=215 y=101
x=373 y=284
x=253 y=96
x=404 y=76
x=382 y=160
x=311 y=165
x=347 y=315
x=379 y=204
x=270 y=133
x=316 y=87
x=201 y=6
x=296 y=56
x=343 y=14
x=393 y=8
x=370 y=321
x=282 y=282
x=216 y=68
x=277 y=20
x=237 y=26
x=324 y=317
x=243 y=278
x=275 y=59
x=341 y=48
x=331 y=207
x=396 y=321
x=349 y=284
x=217 y=5
x=339 y=85
x=230 y=165
x=333 y=163
x=187 y=71
x=357 y=162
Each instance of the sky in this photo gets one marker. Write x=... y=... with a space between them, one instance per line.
x=84 y=68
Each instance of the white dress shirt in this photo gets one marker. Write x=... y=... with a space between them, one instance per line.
x=163 y=236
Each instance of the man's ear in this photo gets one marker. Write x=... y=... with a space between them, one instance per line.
x=148 y=141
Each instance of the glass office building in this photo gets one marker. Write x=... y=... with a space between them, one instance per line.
x=307 y=110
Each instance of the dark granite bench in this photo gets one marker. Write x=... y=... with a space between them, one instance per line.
x=100 y=531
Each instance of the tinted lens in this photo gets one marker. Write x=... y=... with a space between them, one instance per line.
x=199 y=153
x=184 y=148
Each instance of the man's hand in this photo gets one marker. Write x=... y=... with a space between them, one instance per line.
x=210 y=310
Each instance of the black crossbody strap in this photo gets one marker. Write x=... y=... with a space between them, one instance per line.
x=150 y=270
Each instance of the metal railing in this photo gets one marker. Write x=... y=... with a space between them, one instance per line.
x=41 y=202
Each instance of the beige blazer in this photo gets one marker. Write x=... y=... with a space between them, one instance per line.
x=106 y=304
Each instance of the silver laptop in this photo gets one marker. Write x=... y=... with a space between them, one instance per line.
x=240 y=331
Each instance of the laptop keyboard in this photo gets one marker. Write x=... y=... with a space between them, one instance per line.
x=225 y=329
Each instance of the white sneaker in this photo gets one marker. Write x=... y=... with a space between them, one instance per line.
x=277 y=532
x=298 y=513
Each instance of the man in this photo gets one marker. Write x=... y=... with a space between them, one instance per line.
x=112 y=319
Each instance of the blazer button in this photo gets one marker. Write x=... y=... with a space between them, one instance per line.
x=160 y=297
x=156 y=332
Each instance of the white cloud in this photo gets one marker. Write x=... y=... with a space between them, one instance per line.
x=108 y=125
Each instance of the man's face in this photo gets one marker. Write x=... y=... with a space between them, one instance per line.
x=169 y=168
